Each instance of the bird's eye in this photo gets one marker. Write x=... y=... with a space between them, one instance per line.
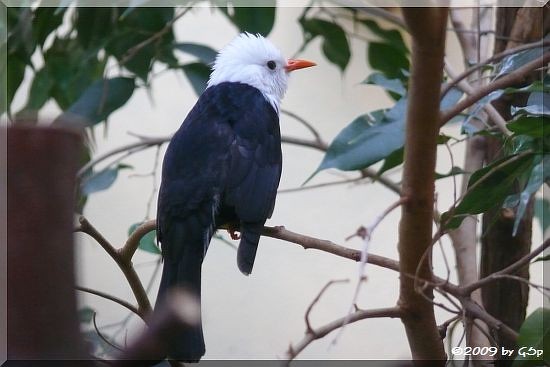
x=271 y=64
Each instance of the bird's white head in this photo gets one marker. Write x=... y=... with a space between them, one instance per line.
x=253 y=60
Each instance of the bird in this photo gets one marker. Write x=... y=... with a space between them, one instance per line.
x=222 y=169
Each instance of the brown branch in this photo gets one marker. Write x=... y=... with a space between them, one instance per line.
x=309 y=329
x=514 y=78
x=495 y=57
x=124 y=264
x=508 y=270
x=322 y=331
x=303 y=121
x=475 y=310
x=427 y=27
x=114 y=299
x=127 y=251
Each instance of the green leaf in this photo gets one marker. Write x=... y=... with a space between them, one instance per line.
x=40 y=90
x=542 y=258
x=391 y=85
x=388 y=59
x=534 y=126
x=390 y=36
x=393 y=160
x=366 y=141
x=542 y=213
x=198 y=74
x=253 y=19
x=101 y=180
x=536 y=86
x=534 y=334
x=147 y=242
x=335 y=43
x=94 y=25
x=86 y=315
x=539 y=173
x=205 y=54
x=101 y=99
x=489 y=187
x=45 y=21
x=15 y=74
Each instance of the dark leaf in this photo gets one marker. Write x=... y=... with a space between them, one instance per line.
x=101 y=99
x=147 y=242
x=198 y=74
x=489 y=187
x=536 y=86
x=534 y=126
x=253 y=19
x=393 y=160
x=534 y=334
x=40 y=90
x=205 y=54
x=390 y=36
x=388 y=59
x=15 y=74
x=391 y=85
x=542 y=258
x=95 y=25
x=86 y=315
x=335 y=43
x=46 y=20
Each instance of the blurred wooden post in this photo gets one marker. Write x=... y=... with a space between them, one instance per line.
x=42 y=316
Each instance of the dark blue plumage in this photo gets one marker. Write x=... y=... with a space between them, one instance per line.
x=222 y=167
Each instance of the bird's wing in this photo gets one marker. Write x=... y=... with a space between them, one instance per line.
x=193 y=174
x=255 y=159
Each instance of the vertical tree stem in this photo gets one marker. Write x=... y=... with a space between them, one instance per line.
x=415 y=232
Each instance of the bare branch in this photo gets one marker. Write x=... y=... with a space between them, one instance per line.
x=316 y=299
x=114 y=299
x=457 y=78
x=516 y=77
x=132 y=243
x=508 y=270
x=321 y=332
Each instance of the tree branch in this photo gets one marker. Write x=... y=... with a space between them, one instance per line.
x=516 y=77
x=427 y=27
x=508 y=270
x=113 y=299
x=322 y=331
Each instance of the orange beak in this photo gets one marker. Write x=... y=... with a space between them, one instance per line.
x=292 y=64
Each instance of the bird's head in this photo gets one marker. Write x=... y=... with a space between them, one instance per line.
x=253 y=60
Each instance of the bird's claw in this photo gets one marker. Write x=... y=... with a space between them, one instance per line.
x=234 y=235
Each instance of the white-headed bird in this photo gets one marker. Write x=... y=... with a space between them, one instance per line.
x=222 y=169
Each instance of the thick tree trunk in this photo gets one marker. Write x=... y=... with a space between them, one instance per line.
x=507 y=299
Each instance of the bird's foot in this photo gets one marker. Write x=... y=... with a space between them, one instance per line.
x=233 y=233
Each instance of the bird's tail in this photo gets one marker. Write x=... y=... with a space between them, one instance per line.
x=250 y=236
x=188 y=345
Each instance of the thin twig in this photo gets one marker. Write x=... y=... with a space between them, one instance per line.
x=321 y=332
x=309 y=329
x=303 y=121
x=101 y=336
x=508 y=270
x=114 y=299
